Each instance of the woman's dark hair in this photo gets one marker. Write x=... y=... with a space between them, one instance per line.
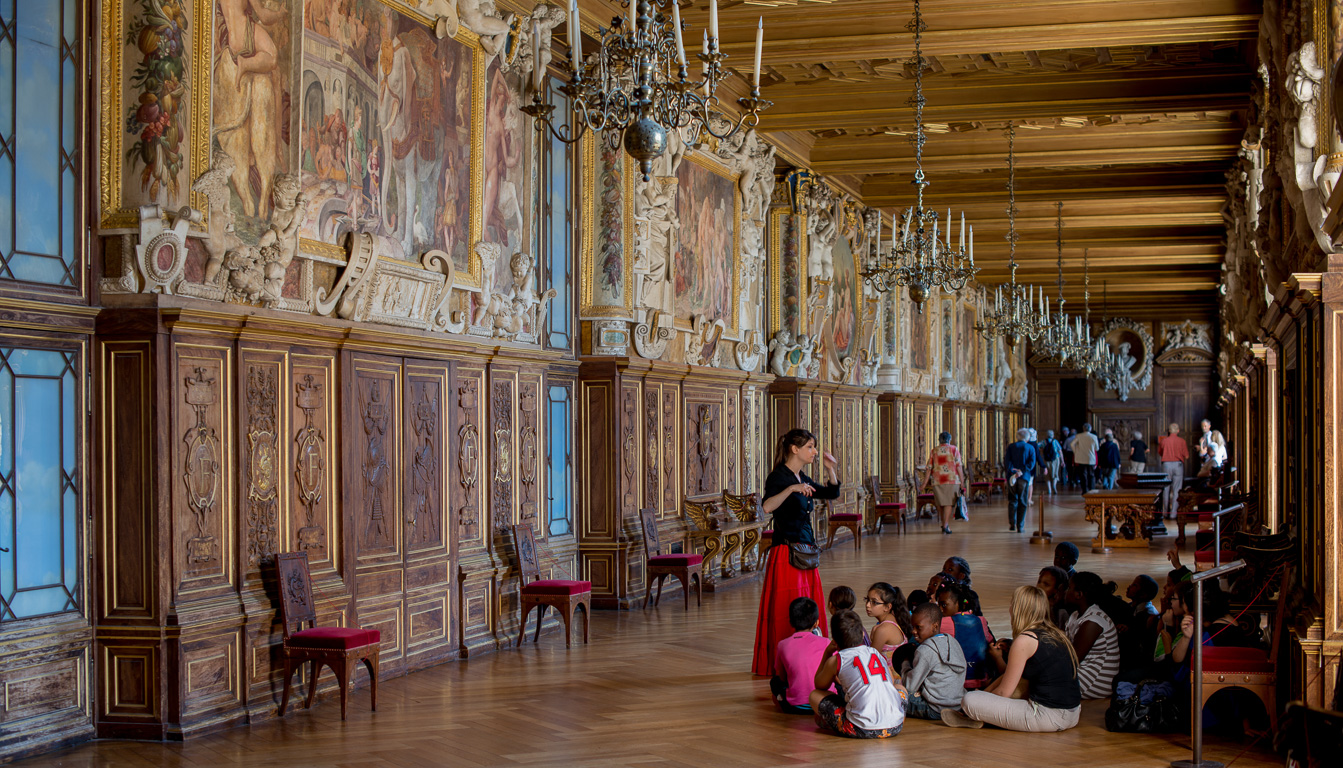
x=943 y=438
x=846 y=629
x=893 y=597
x=793 y=438
x=842 y=598
x=803 y=614
x=1147 y=588
x=1092 y=588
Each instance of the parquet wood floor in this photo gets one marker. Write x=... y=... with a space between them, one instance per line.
x=662 y=688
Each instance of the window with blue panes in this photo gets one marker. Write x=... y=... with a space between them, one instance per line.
x=557 y=224
x=39 y=139
x=559 y=461
x=39 y=490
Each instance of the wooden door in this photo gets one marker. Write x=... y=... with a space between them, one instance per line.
x=428 y=550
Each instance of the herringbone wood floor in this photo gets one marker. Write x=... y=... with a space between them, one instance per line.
x=667 y=688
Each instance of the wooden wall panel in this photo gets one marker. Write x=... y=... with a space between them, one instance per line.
x=429 y=568
x=203 y=496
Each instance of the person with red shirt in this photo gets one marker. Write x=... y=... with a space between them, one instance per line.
x=1173 y=451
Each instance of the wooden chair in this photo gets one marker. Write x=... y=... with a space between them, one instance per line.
x=683 y=566
x=564 y=595
x=999 y=478
x=925 y=504
x=340 y=648
x=1250 y=668
x=981 y=482
x=851 y=520
x=882 y=510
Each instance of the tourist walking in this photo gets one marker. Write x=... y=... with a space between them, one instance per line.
x=945 y=473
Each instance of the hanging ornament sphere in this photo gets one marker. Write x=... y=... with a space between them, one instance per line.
x=918 y=292
x=1011 y=339
x=645 y=141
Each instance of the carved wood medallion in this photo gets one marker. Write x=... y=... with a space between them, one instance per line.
x=202 y=465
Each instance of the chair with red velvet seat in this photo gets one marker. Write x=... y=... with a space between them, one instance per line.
x=884 y=509
x=341 y=648
x=851 y=520
x=683 y=566
x=1253 y=669
x=564 y=595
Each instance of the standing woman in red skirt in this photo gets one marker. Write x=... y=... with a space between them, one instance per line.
x=788 y=496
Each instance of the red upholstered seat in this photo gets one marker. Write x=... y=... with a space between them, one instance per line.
x=891 y=505
x=846 y=517
x=1205 y=556
x=768 y=532
x=343 y=638
x=557 y=587
x=675 y=559
x=1247 y=661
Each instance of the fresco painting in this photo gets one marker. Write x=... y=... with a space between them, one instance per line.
x=706 y=257
x=847 y=296
x=386 y=130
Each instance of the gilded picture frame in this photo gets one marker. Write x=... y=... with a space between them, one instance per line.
x=778 y=219
x=471 y=277
x=711 y=164
x=114 y=211
x=590 y=242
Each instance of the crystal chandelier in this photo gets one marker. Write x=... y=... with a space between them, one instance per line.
x=1110 y=370
x=1088 y=358
x=1018 y=311
x=638 y=83
x=917 y=257
x=1059 y=339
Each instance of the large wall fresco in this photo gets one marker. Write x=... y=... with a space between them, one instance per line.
x=386 y=130
x=704 y=266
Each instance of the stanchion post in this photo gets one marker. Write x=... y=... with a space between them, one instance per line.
x=1196 y=693
x=1042 y=536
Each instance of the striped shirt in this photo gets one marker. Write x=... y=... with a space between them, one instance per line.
x=1096 y=672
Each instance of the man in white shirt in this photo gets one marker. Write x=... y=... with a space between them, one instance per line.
x=1085 y=445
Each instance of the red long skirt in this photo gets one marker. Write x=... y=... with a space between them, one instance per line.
x=783 y=585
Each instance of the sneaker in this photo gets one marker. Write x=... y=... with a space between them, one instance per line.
x=956 y=719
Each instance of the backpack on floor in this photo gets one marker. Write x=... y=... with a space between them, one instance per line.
x=1149 y=706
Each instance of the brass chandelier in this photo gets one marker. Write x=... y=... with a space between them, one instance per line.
x=918 y=258
x=1062 y=337
x=637 y=85
x=1018 y=311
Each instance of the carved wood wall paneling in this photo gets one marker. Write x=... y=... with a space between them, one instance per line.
x=263 y=461
x=133 y=560
x=468 y=456
x=652 y=444
x=203 y=500
x=531 y=453
x=703 y=454
x=373 y=422
x=731 y=445
x=502 y=483
x=597 y=520
x=630 y=396
x=429 y=563
x=671 y=401
x=310 y=398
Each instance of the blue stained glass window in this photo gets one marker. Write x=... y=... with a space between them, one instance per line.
x=39 y=493
x=557 y=222
x=39 y=70
x=559 y=460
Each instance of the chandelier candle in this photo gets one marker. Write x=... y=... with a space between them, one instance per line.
x=680 y=44
x=575 y=36
x=759 y=43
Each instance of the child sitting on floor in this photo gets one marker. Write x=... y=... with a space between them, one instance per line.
x=938 y=677
x=873 y=704
x=1066 y=555
x=886 y=604
x=841 y=598
x=797 y=658
x=971 y=631
x=1053 y=581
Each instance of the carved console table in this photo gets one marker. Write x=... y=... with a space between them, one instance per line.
x=721 y=534
x=1127 y=508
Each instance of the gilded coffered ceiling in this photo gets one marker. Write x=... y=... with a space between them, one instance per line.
x=1129 y=113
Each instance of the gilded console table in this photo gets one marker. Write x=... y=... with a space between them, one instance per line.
x=1122 y=506
x=721 y=535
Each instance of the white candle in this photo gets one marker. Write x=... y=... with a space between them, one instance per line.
x=878 y=231
x=704 y=68
x=676 y=27
x=575 y=37
x=948 y=229
x=537 y=74
x=713 y=20
x=972 y=245
x=759 y=42
x=633 y=28
x=962 y=231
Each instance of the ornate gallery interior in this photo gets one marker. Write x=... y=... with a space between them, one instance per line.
x=328 y=327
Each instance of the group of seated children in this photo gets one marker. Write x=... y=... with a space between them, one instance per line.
x=934 y=657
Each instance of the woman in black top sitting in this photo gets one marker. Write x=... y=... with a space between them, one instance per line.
x=788 y=496
x=1038 y=690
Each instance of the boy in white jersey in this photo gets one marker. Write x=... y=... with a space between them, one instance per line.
x=873 y=704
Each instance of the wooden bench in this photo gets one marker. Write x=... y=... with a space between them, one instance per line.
x=720 y=534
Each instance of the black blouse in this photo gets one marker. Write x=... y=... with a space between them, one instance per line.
x=792 y=520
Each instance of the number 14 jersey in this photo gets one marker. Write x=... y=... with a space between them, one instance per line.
x=872 y=702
